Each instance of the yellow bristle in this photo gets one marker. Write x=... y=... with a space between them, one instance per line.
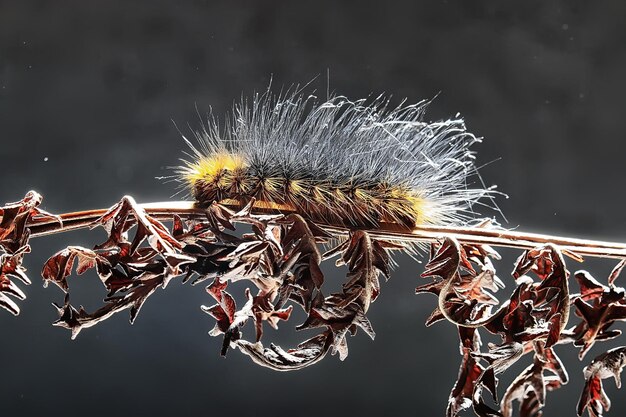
x=242 y=181
x=211 y=167
x=271 y=185
x=363 y=195
x=225 y=181
x=296 y=187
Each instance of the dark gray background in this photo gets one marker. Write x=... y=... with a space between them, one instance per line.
x=94 y=87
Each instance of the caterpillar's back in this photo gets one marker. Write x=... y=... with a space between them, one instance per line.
x=339 y=162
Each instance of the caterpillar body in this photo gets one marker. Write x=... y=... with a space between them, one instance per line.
x=339 y=162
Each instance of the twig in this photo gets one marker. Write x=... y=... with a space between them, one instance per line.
x=41 y=226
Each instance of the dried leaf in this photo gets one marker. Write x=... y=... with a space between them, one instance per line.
x=60 y=265
x=600 y=306
x=129 y=271
x=14 y=236
x=529 y=388
x=306 y=354
x=469 y=373
x=464 y=294
x=593 y=398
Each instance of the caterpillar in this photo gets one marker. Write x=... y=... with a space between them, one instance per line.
x=339 y=162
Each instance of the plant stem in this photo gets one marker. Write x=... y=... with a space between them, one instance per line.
x=470 y=235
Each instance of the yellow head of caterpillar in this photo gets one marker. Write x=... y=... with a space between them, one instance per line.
x=212 y=168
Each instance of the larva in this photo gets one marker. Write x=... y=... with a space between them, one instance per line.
x=340 y=162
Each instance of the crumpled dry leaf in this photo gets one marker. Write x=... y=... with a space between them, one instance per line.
x=470 y=372
x=14 y=236
x=599 y=306
x=306 y=354
x=129 y=271
x=535 y=310
x=60 y=266
x=10 y=269
x=593 y=398
x=465 y=295
x=529 y=388
x=230 y=320
x=344 y=312
x=285 y=268
x=550 y=298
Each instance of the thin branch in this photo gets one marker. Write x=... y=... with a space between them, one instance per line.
x=41 y=226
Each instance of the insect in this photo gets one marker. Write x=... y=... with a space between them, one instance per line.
x=355 y=181
x=345 y=163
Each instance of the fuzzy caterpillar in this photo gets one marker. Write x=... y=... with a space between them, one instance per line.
x=338 y=162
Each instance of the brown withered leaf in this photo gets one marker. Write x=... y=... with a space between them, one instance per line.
x=469 y=373
x=129 y=271
x=14 y=236
x=264 y=311
x=343 y=313
x=127 y=213
x=340 y=318
x=547 y=302
x=300 y=272
x=464 y=294
x=10 y=269
x=277 y=257
x=365 y=260
x=78 y=319
x=14 y=218
x=593 y=398
x=305 y=354
x=599 y=306
x=219 y=216
x=230 y=320
x=224 y=313
x=60 y=265
x=253 y=256
x=535 y=314
x=597 y=321
x=499 y=358
x=529 y=388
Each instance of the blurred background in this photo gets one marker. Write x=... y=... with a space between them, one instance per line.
x=90 y=97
